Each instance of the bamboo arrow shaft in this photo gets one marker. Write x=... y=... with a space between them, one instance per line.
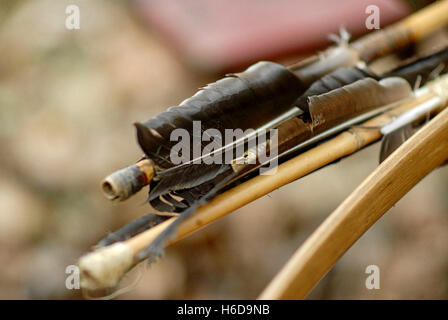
x=400 y=34
x=427 y=20
x=417 y=157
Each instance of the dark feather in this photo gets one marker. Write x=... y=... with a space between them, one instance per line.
x=395 y=139
x=329 y=109
x=243 y=100
x=422 y=67
x=189 y=195
x=334 y=80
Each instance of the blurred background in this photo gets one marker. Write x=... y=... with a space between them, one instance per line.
x=68 y=99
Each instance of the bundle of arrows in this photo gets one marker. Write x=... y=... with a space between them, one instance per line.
x=252 y=132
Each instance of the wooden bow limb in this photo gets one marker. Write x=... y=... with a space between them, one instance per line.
x=409 y=164
x=105 y=266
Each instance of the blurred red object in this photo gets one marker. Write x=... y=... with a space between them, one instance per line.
x=219 y=34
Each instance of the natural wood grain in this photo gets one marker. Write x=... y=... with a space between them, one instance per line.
x=410 y=163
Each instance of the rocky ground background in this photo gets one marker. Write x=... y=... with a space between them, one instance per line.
x=67 y=104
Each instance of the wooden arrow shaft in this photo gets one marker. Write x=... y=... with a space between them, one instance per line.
x=400 y=34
